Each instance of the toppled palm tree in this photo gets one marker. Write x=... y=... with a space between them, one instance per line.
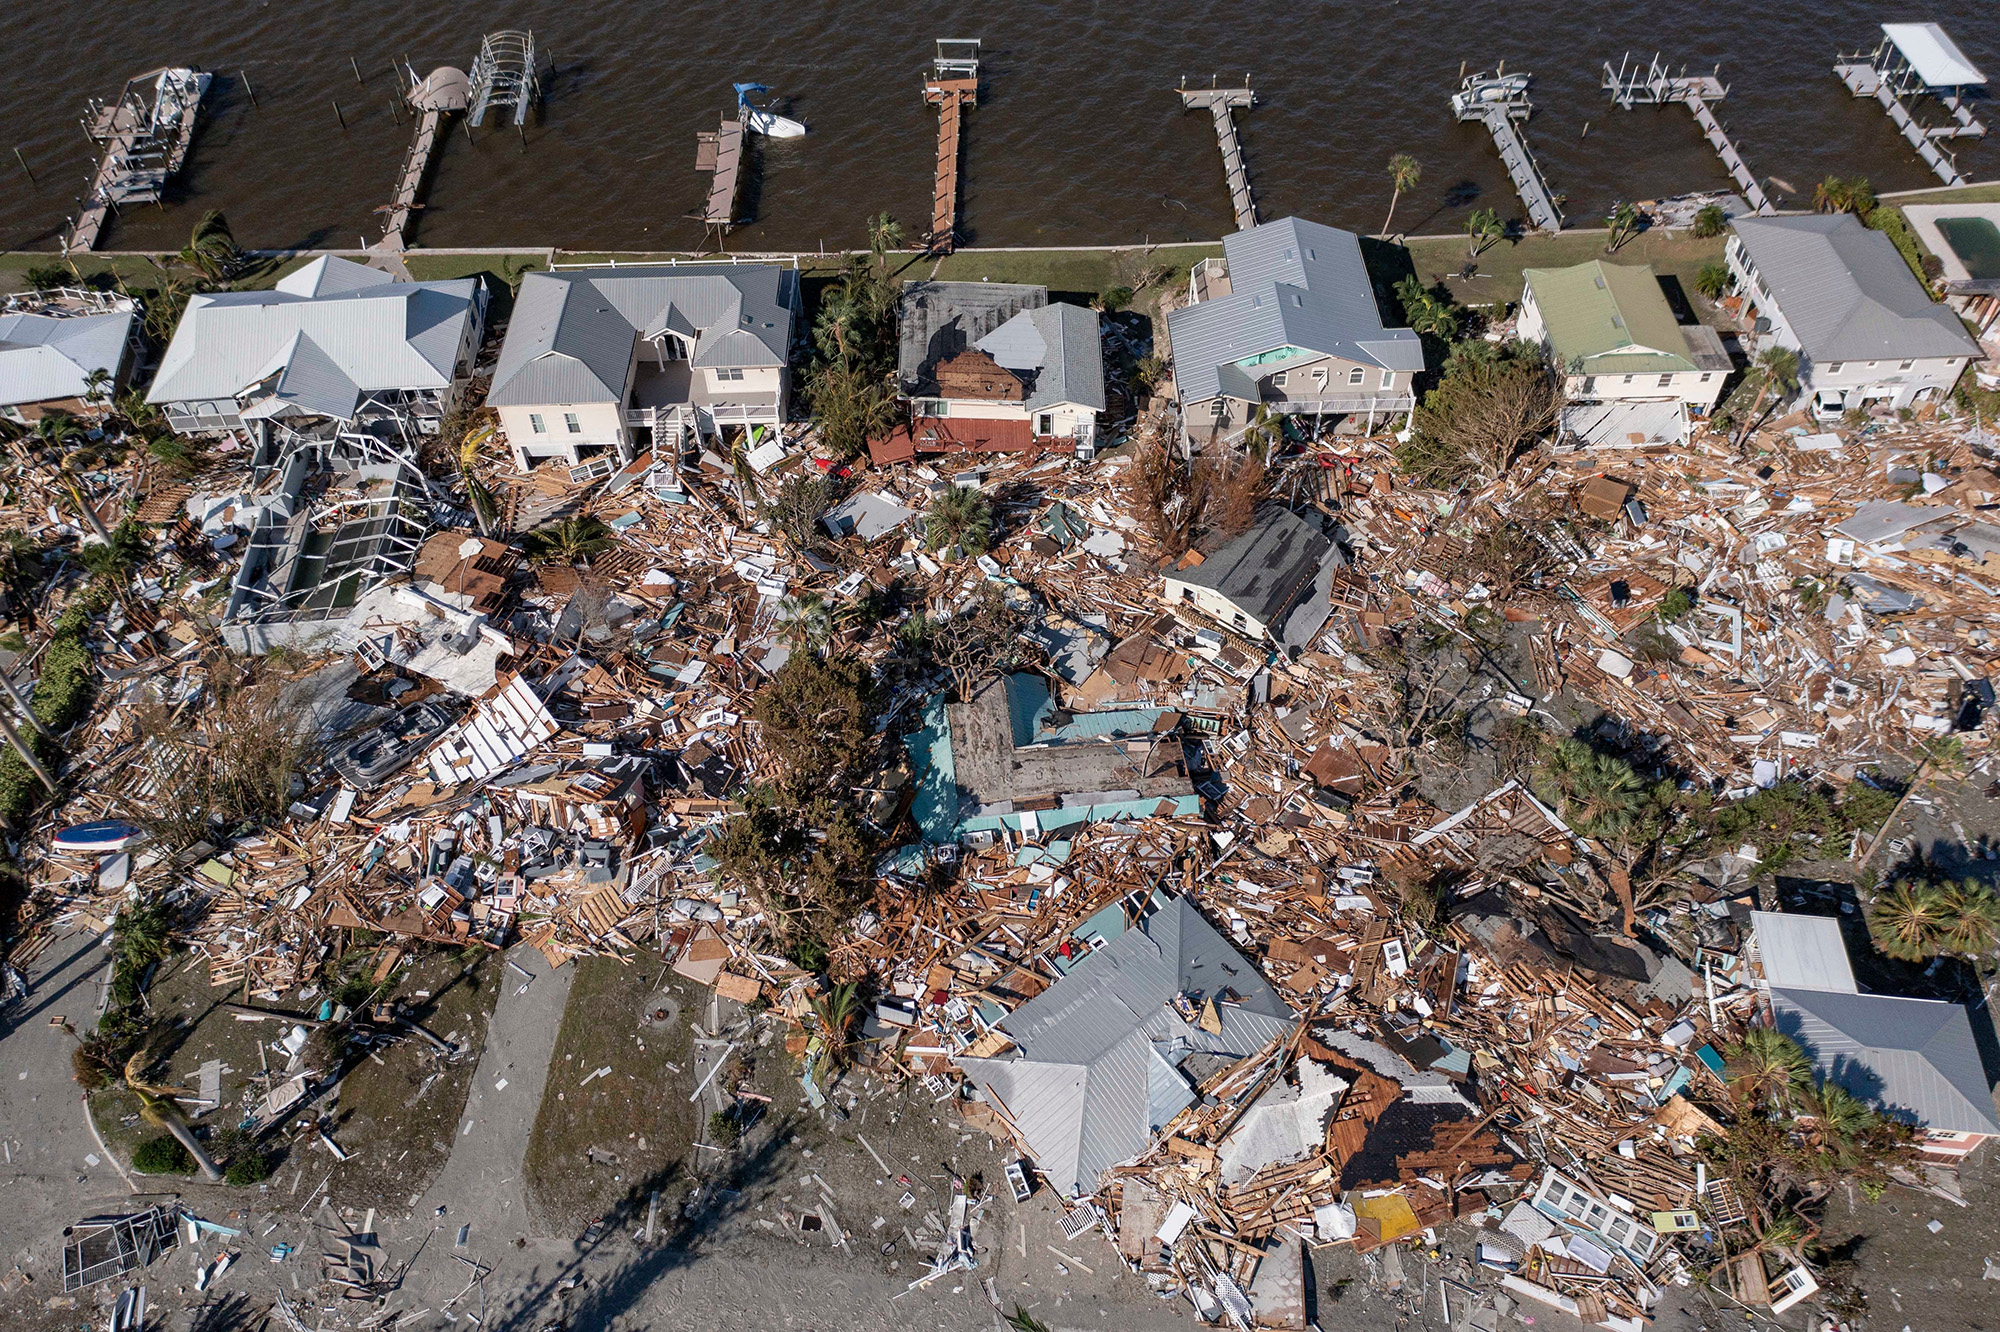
x=157 y=1108
x=1777 y=370
x=1601 y=793
x=961 y=517
x=1905 y=921
x=212 y=250
x=1767 y=1068
x=1624 y=224
x=838 y=1012
x=571 y=541
x=808 y=622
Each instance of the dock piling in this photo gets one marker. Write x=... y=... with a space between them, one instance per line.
x=1629 y=85
x=1888 y=75
x=337 y=116
x=1497 y=101
x=25 y=167
x=244 y=75
x=351 y=64
x=145 y=136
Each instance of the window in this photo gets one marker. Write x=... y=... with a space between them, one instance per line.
x=1278 y=380
x=1906 y=365
x=1666 y=381
x=1240 y=621
x=1873 y=364
x=1388 y=379
x=1045 y=424
x=931 y=407
x=1219 y=408
x=1356 y=375
x=571 y=424
x=732 y=374
x=1706 y=377
x=1833 y=367
x=537 y=424
x=1319 y=378
x=1630 y=378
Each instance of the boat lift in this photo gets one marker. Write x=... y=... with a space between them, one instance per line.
x=1917 y=60
x=1630 y=85
x=504 y=76
x=1497 y=101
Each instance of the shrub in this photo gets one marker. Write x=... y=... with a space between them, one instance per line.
x=162 y=1156
x=1710 y=222
x=723 y=1129
x=1676 y=604
x=1492 y=401
x=251 y=1168
x=46 y=277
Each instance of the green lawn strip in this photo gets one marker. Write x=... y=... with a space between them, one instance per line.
x=1499 y=276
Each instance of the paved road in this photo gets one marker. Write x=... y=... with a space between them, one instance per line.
x=46 y=1176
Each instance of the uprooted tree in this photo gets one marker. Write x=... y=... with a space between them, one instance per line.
x=1492 y=402
x=818 y=718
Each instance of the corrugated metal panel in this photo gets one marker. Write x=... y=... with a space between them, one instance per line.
x=506 y=729
x=1846 y=292
x=1913 y=1058
x=1802 y=952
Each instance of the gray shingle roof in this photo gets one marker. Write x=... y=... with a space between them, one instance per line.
x=1056 y=350
x=1846 y=292
x=1263 y=571
x=44 y=358
x=938 y=320
x=1292 y=283
x=380 y=336
x=1097 y=1072
x=1913 y=1058
x=572 y=333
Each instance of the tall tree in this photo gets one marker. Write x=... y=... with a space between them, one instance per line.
x=1777 y=371
x=1766 y=1068
x=1486 y=230
x=1404 y=173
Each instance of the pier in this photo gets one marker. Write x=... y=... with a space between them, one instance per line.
x=720 y=151
x=1222 y=103
x=953 y=88
x=503 y=77
x=146 y=134
x=1497 y=101
x=444 y=93
x=1916 y=60
x=1629 y=86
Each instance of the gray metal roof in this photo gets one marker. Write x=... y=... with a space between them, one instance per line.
x=572 y=334
x=938 y=320
x=1802 y=952
x=1056 y=351
x=1292 y=283
x=1912 y=1058
x=1846 y=291
x=379 y=336
x=1096 y=1076
x=1263 y=571
x=43 y=358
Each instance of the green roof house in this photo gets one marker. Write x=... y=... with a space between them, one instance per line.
x=1612 y=327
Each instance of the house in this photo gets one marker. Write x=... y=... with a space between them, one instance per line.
x=1611 y=327
x=1111 y=1053
x=1915 y=1059
x=1275 y=581
x=602 y=362
x=51 y=346
x=1287 y=321
x=994 y=367
x=1010 y=758
x=1865 y=330
x=333 y=342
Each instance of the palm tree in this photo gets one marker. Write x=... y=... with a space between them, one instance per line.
x=808 y=622
x=1404 y=173
x=1905 y=922
x=1486 y=230
x=1775 y=368
x=157 y=1108
x=1023 y=1321
x=1766 y=1067
x=1262 y=433
x=97 y=387
x=211 y=250
x=1601 y=793
x=1712 y=279
x=1710 y=222
x=961 y=517
x=59 y=431
x=141 y=415
x=838 y=1012
x=1842 y=1116
x=1835 y=195
x=1968 y=917
x=1624 y=223
x=571 y=541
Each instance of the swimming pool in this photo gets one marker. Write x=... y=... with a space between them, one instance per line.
x=1976 y=242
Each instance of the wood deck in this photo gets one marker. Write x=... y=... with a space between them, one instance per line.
x=1220 y=103
x=1866 y=81
x=1695 y=92
x=951 y=97
x=721 y=151
x=123 y=129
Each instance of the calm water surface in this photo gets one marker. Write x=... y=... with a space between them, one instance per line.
x=1078 y=138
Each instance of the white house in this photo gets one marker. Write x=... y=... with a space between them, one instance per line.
x=1289 y=324
x=1610 y=326
x=1840 y=295
x=601 y=361
x=1274 y=581
x=65 y=352
x=334 y=341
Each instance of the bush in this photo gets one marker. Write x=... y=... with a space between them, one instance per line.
x=162 y=1156
x=1710 y=222
x=251 y=1168
x=723 y=1129
x=46 y=277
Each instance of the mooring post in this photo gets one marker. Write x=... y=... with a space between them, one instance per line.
x=356 y=68
x=244 y=75
x=337 y=116
x=25 y=167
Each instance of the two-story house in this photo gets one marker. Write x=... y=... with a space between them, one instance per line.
x=333 y=342
x=994 y=367
x=600 y=362
x=1611 y=328
x=1840 y=295
x=1288 y=322
x=65 y=352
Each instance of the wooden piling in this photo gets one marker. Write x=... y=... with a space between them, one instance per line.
x=25 y=167
x=337 y=116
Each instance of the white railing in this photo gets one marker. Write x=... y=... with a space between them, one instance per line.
x=1346 y=402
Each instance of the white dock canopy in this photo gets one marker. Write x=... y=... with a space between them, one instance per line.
x=1934 y=55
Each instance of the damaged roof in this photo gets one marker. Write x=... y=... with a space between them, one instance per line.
x=1263 y=571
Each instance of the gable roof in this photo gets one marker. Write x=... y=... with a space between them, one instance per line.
x=1263 y=571
x=1611 y=317
x=376 y=336
x=1913 y=1058
x=572 y=333
x=1846 y=292
x=937 y=320
x=330 y=274
x=1056 y=352
x=1097 y=1072
x=1292 y=283
x=45 y=357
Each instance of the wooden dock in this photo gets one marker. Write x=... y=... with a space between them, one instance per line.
x=1221 y=103
x=1864 y=79
x=1629 y=86
x=952 y=98
x=443 y=94
x=1497 y=101
x=720 y=151
x=143 y=143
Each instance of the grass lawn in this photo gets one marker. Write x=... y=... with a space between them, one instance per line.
x=621 y=1134
x=140 y=272
x=1075 y=271
x=1967 y=194
x=1499 y=275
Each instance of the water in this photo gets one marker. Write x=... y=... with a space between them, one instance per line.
x=1078 y=139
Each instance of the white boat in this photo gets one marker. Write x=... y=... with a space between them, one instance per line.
x=762 y=120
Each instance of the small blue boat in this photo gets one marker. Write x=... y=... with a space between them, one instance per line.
x=103 y=836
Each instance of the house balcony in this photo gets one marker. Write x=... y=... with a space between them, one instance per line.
x=1341 y=404
x=670 y=396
